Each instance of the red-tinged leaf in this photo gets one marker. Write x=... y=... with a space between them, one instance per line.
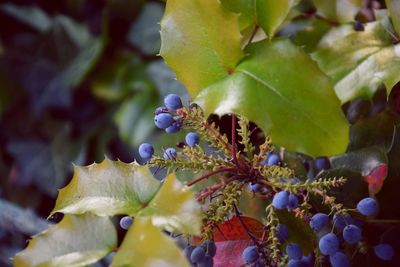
x=233 y=229
x=229 y=253
x=376 y=178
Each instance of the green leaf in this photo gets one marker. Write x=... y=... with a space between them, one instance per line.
x=393 y=7
x=30 y=15
x=245 y=9
x=108 y=188
x=359 y=62
x=340 y=10
x=75 y=241
x=200 y=41
x=146 y=246
x=174 y=208
x=272 y=87
x=271 y=14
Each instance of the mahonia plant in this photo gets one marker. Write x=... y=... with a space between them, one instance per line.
x=261 y=171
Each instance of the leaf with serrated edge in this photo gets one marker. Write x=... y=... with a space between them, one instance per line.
x=359 y=62
x=146 y=246
x=271 y=14
x=78 y=240
x=174 y=208
x=108 y=188
x=272 y=87
x=200 y=41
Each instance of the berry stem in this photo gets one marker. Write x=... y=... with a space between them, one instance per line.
x=205 y=176
x=233 y=140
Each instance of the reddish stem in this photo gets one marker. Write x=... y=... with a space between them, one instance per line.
x=205 y=176
x=233 y=138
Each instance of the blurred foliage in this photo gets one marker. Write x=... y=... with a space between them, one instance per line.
x=79 y=80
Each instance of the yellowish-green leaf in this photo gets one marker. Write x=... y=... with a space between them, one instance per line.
x=108 y=188
x=340 y=10
x=271 y=14
x=146 y=246
x=78 y=240
x=359 y=62
x=245 y=9
x=200 y=41
x=273 y=88
x=394 y=11
x=174 y=208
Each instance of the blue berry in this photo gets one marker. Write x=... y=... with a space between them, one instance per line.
x=283 y=233
x=146 y=151
x=319 y=221
x=207 y=261
x=273 y=159
x=192 y=139
x=188 y=252
x=280 y=200
x=367 y=206
x=328 y=244
x=341 y=220
x=250 y=254
x=293 y=202
x=210 y=247
x=126 y=222
x=351 y=234
x=296 y=263
x=175 y=127
x=308 y=260
x=339 y=259
x=255 y=187
x=384 y=252
x=173 y=102
x=322 y=163
x=163 y=120
x=294 y=251
x=170 y=153
x=160 y=110
x=198 y=255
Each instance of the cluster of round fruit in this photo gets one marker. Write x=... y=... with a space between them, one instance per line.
x=201 y=256
x=164 y=119
x=329 y=243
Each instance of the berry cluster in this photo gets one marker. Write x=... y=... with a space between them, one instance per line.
x=264 y=172
x=201 y=256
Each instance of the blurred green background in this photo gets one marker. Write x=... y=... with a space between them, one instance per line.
x=79 y=80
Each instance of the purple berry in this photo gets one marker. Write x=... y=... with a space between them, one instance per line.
x=175 y=127
x=367 y=206
x=296 y=263
x=341 y=220
x=207 y=261
x=319 y=221
x=255 y=187
x=146 y=151
x=280 y=200
x=126 y=222
x=351 y=234
x=293 y=202
x=173 y=101
x=273 y=159
x=322 y=163
x=328 y=244
x=384 y=252
x=250 y=254
x=160 y=110
x=198 y=255
x=170 y=153
x=163 y=120
x=210 y=247
x=294 y=251
x=339 y=259
x=283 y=233
x=192 y=139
